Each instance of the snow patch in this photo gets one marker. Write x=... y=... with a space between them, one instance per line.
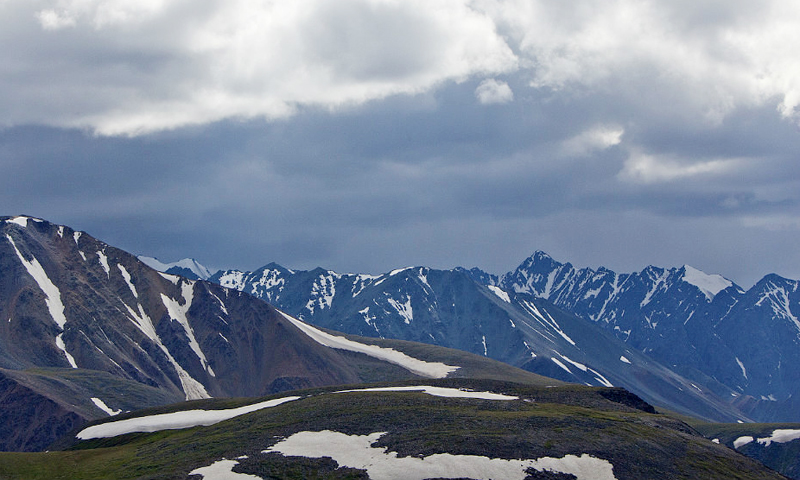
x=193 y=389
x=414 y=365
x=659 y=283
x=223 y=470
x=600 y=378
x=780 y=436
x=175 y=420
x=551 y=323
x=742 y=441
x=710 y=285
x=172 y=278
x=438 y=392
x=178 y=312
x=485 y=350
x=741 y=365
x=61 y=346
x=52 y=298
x=779 y=301
x=500 y=293
x=51 y=292
x=102 y=406
x=399 y=270
x=104 y=262
x=127 y=277
x=356 y=451
x=404 y=309
x=322 y=292
x=577 y=365
x=557 y=362
x=623 y=359
x=76 y=236
x=21 y=221
x=221 y=303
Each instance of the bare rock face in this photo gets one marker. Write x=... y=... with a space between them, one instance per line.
x=21 y=404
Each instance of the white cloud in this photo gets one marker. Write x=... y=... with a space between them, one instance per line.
x=713 y=57
x=492 y=91
x=53 y=20
x=597 y=138
x=134 y=66
x=147 y=66
x=648 y=169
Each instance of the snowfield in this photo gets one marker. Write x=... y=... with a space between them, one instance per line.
x=780 y=436
x=196 y=418
x=438 y=392
x=414 y=365
x=174 y=421
x=356 y=451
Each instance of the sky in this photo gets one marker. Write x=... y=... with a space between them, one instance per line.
x=366 y=135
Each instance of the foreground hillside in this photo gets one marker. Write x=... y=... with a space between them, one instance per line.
x=451 y=428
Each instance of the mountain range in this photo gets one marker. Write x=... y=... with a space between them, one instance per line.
x=669 y=335
x=91 y=333
x=89 y=330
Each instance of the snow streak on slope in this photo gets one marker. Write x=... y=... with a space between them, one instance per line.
x=414 y=365
x=104 y=262
x=356 y=451
x=193 y=389
x=127 y=277
x=500 y=293
x=778 y=299
x=404 y=309
x=102 y=406
x=52 y=297
x=322 y=292
x=178 y=312
x=53 y=300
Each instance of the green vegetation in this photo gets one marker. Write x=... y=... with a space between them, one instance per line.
x=545 y=422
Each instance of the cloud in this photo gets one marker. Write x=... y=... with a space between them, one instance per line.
x=492 y=91
x=597 y=138
x=643 y=168
x=130 y=67
x=126 y=67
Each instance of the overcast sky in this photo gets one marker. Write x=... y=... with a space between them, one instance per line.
x=365 y=135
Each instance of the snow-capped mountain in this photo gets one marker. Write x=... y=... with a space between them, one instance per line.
x=88 y=330
x=450 y=308
x=703 y=326
x=188 y=267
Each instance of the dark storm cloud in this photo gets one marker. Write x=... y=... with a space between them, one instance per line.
x=380 y=134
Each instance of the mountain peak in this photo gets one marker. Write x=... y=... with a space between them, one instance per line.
x=187 y=267
x=710 y=285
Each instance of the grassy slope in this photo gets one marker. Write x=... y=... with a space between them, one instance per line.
x=556 y=422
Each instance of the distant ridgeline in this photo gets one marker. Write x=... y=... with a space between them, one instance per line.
x=709 y=348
